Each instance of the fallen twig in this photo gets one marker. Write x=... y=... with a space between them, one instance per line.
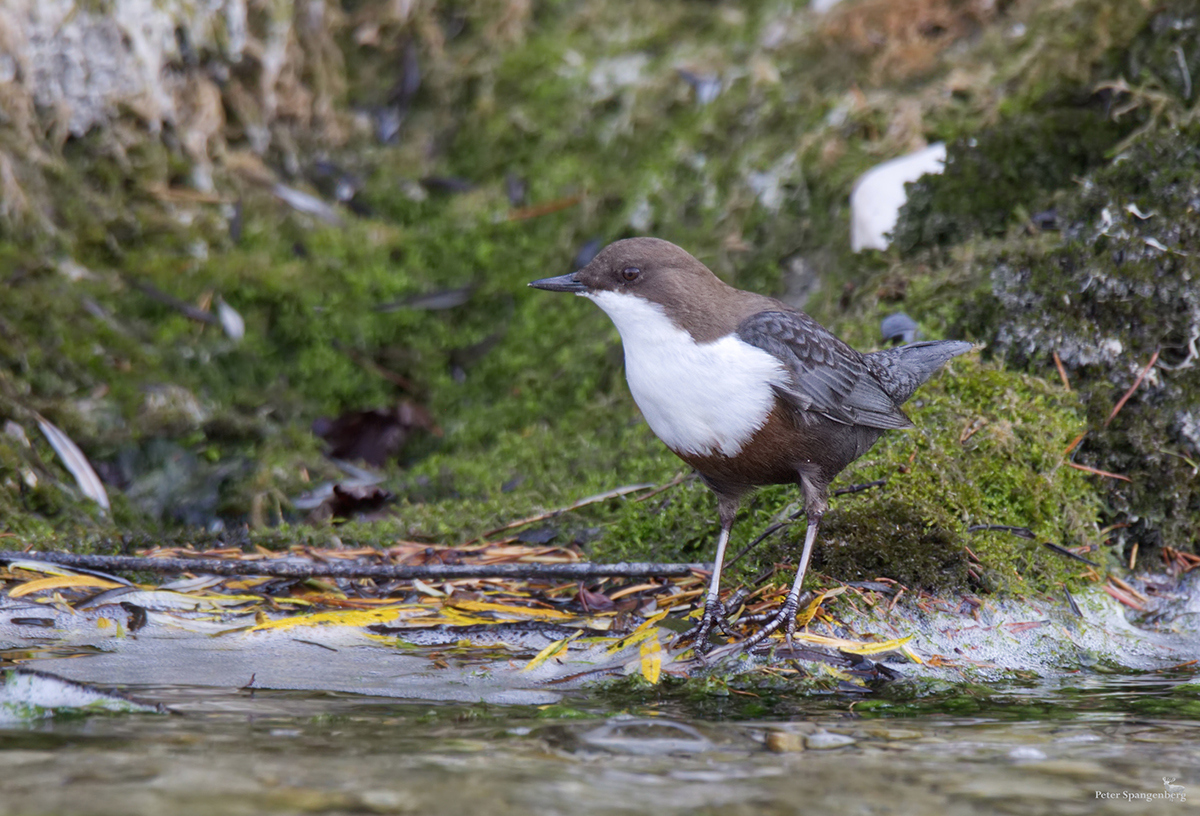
x=1022 y=532
x=1074 y=444
x=1099 y=472
x=375 y=368
x=291 y=568
x=1141 y=376
x=1125 y=587
x=1125 y=598
x=182 y=306
x=678 y=480
x=549 y=514
x=536 y=210
x=1071 y=602
x=1069 y=554
x=1062 y=372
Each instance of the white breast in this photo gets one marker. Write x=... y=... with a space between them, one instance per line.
x=699 y=398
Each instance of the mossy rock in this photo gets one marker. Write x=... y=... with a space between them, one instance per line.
x=1121 y=290
x=1006 y=173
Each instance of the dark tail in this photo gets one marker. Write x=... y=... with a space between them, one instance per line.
x=901 y=370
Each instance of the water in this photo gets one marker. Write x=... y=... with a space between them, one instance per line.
x=229 y=751
x=339 y=715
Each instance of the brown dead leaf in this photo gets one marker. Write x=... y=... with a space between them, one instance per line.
x=374 y=436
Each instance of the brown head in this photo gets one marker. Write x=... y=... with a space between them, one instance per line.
x=690 y=294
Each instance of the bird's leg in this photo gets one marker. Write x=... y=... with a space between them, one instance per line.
x=790 y=606
x=714 y=610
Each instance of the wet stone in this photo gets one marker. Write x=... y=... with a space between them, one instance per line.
x=784 y=742
x=894 y=733
x=1026 y=753
x=827 y=740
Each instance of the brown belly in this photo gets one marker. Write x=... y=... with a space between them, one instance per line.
x=785 y=448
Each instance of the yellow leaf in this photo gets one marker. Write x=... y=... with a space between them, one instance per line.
x=651 y=652
x=810 y=611
x=348 y=617
x=911 y=655
x=426 y=589
x=833 y=671
x=519 y=612
x=61 y=582
x=550 y=651
x=861 y=647
x=249 y=583
x=647 y=629
x=455 y=618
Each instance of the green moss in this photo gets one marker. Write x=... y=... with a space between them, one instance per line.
x=1088 y=298
x=1110 y=289
x=987 y=449
x=1098 y=72
x=1006 y=173
x=527 y=387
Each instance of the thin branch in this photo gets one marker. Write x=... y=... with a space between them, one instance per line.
x=1062 y=372
x=1099 y=472
x=1121 y=402
x=182 y=306
x=1023 y=532
x=1074 y=444
x=370 y=365
x=678 y=480
x=537 y=210
x=859 y=488
x=549 y=514
x=290 y=568
x=1067 y=553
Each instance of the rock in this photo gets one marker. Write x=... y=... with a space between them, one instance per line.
x=827 y=740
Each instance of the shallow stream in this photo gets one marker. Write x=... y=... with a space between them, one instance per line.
x=1091 y=745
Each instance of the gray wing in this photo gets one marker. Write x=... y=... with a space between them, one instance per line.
x=827 y=376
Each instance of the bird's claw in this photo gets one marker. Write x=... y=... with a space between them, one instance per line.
x=714 y=615
x=786 y=615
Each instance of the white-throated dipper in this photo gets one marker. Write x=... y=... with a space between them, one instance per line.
x=745 y=389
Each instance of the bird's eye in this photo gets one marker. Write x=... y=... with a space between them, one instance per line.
x=631 y=273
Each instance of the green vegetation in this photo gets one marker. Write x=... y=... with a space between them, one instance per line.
x=590 y=111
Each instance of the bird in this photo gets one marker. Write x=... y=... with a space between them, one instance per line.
x=747 y=390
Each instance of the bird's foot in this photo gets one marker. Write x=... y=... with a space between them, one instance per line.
x=714 y=615
x=786 y=615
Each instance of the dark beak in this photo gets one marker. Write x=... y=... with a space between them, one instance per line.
x=563 y=283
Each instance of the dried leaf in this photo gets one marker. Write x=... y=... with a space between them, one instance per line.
x=357 y=617
x=859 y=647
x=810 y=611
x=550 y=651
x=648 y=629
x=231 y=321
x=651 y=654
x=517 y=612
x=305 y=203
x=89 y=483
x=61 y=582
x=373 y=436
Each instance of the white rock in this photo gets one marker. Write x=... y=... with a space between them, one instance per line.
x=827 y=741
x=879 y=194
x=85 y=61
